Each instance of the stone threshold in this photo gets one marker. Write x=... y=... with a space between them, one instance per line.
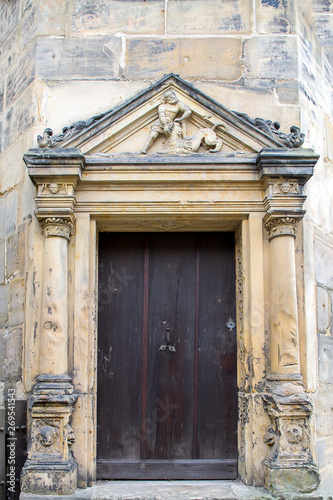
x=174 y=490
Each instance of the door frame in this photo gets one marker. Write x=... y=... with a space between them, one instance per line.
x=171 y=468
x=191 y=193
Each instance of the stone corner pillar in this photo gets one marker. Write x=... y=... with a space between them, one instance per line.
x=290 y=466
x=50 y=467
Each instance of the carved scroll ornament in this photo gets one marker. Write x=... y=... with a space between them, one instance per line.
x=293 y=140
x=48 y=140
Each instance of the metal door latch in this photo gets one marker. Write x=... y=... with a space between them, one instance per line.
x=168 y=345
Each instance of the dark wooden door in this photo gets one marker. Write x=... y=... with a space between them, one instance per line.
x=167 y=394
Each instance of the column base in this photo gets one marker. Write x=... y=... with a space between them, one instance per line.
x=47 y=478
x=291 y=479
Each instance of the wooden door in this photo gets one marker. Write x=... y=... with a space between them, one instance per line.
x=167 y=394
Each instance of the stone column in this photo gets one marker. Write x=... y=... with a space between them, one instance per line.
x=54 y=337
x=284 y=341
x=290 y=466
x=50 y=467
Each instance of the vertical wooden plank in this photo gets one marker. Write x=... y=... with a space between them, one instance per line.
x=170 y=374
x=145 y=349
x=195 y=453
x=217 y=386
x=120 y=345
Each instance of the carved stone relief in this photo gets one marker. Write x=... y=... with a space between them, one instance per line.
x=171 y=124
x=54 y=188
x=159 y=224
x=288 y=436
x=47 y=432
x=285 y=188
x=240 y=311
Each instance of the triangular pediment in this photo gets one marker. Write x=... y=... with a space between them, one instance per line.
x=126 y=128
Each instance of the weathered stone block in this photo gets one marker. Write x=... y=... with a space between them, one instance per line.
x=324 y=403
x=323 y=310
x=287 y=91
x=214 y=17
x=8 y=208
x=272 y=57
x=13 y=170
x=15 y=254
x=51 y=17
x=323 y=263
x=1 y=96
x=273 y=16
x=325 y=29
x=2 y=354
x=19 y=118
x=67 y=58
x=13 y=362
x=16 y=303
x=2 y=261
x=4 y=300
x=322 y=5
x=116 y=15
x=9 y=17
x=329 y=139
x=291 y=480
x=20 y=77
x=325 y=353
x=192 y=58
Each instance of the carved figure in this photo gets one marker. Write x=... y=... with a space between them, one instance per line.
x=69 y=433
x=45 y=141
x=47 y=435
x=179 y=143
x=270 y=435
x=168 y=112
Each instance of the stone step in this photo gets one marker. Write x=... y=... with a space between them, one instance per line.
x=173 y=490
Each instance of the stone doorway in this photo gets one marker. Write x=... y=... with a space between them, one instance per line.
x=167 y=356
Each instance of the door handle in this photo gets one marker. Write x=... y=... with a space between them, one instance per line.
x=168 y=346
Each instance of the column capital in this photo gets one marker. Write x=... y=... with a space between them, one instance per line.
x=54 y=224
x=282 y=224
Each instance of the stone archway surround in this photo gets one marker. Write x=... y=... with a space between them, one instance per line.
x=260 y=197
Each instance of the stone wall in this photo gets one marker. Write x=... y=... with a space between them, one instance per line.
x=63 y=61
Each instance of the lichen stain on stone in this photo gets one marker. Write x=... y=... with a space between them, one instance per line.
x=271 y=3
x=34 y=274
x=280 y=25
x=234 y=22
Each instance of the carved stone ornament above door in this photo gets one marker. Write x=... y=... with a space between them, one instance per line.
x=171 y=117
